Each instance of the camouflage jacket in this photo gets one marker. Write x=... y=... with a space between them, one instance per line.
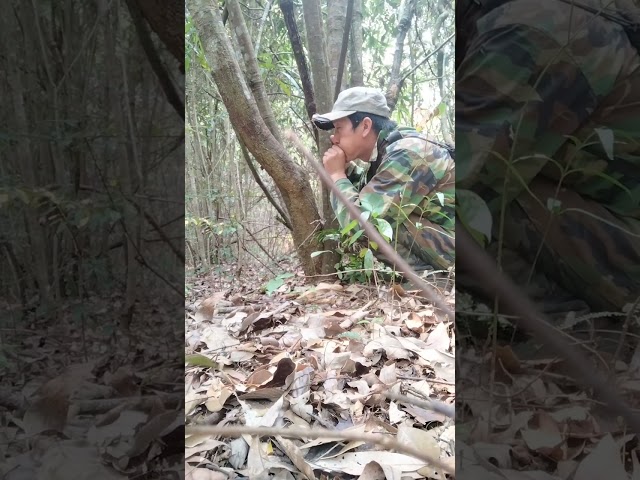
x=412 y=189
x=543 y=90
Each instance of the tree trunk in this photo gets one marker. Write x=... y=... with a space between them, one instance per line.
x=323 y=93
x=253 y=131
x=395 y=78
x=355 y=47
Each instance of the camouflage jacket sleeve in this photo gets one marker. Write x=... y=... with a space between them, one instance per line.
x=405 y=177
x=522 y=91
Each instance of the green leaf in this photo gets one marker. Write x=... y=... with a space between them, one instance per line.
x=372 y=203
x=473 y=212
x=199 y=360
x=368 y=260
x=355 y=237
x=349 y=227
x=384 y=228
x=440 y=196
x=273 y=285
x=553 y=204
x=606 y=138
x=320 y=252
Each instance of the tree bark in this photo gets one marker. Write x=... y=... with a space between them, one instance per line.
x=253 y=131
x=336 y=16
x=355 y=47
x=395 y=78
x=298 y=53
x=253 y=73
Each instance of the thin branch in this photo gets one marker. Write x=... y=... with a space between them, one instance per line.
x=316 y=433
x=263 y=187
x=263 y=20
x=298 y=53
x=422 y=62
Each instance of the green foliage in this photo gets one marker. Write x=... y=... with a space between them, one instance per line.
x=357 y=260
x=275 y=283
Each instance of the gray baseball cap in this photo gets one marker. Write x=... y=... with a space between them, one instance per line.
x=352 y=100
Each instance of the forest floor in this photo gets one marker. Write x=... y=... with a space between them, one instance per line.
x=362 y=361
x=80 y=399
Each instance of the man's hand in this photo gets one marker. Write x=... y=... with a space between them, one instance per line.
x=335 y=163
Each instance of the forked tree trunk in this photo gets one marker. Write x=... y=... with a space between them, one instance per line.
x=251 y=128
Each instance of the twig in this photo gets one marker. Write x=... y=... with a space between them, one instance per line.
x=421 y=62
x=371 y=231
x=315 y=433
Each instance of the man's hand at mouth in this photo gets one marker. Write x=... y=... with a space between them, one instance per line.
x=335 y=163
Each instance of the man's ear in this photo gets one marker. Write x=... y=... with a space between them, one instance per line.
x=367 y=126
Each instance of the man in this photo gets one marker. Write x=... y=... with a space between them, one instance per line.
x=548 y=138
x=408 y=180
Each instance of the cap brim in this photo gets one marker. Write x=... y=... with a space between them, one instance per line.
x=325 y=121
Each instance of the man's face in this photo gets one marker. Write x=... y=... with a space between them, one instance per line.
x=350 y=140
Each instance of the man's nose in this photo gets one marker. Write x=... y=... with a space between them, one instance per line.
x=333 y=139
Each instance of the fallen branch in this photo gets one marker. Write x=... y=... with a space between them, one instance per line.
x=371 y=231
x=315 y=433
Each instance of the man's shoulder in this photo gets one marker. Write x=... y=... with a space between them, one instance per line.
x=416 y=145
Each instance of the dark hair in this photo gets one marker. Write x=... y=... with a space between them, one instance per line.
x=378 y=123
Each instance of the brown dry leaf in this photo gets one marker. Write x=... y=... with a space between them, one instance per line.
x=50 y=408
x=207 y=308
x=395 y=414
x=353 y=463
x=508 y=359
x=372 y=471
x=200 y=442
x=217 y=394
x=544 y=438
x=123 y=426
x=283 y=373
x=74 y=459
x=414 y=322
x=194 y=473
x=156 y=428
x=388 y=374
x=603 y=462
x=217 y=339
x=123 y=381
x=439 y=337
x=296 y=457
x=423 y=440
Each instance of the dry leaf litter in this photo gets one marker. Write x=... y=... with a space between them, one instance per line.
x=316 y=355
